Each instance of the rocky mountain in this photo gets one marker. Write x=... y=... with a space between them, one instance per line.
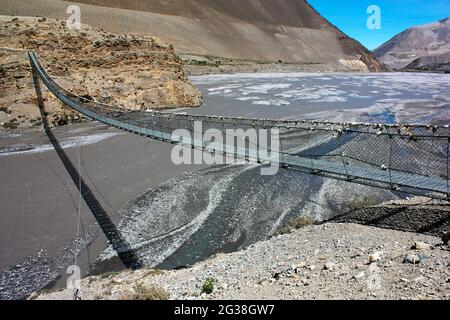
x=439 y=63
x=424 y=47
x=288 y=31
x=126 y=70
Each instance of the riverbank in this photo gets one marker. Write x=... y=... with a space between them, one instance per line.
x=328 y=261
x=198 y=65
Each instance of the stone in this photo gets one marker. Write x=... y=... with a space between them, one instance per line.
x=419 y=279
x=446 y=238
x=33 y=296
x=360 y=275
x=304 y=282
x=330 y=266
x=375 y=257
x=280 y=272
x=419 y=245
x=412 y=258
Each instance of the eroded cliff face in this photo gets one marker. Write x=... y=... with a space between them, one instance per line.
x=135 y=72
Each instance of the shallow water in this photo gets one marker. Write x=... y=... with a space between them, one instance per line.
x=227 y=208
x=375 y=97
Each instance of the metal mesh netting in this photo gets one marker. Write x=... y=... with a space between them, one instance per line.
x=405 y=158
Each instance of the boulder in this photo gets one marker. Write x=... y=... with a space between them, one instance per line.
x=412 y=258
x=375 y=257
x=419 y=245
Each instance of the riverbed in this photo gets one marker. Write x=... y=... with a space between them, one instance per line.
x=175 y=216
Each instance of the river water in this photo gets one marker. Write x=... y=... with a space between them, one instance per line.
x=376 y=97
x=177 y=215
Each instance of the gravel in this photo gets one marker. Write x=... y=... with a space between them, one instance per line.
x=328 y=261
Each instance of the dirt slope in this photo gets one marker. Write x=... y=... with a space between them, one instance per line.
x=258 y=30
x=330 y=261
x=134 y=72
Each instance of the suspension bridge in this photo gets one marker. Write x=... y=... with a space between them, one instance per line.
x=405 y=158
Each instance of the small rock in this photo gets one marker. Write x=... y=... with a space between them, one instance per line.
x=360 y=275
x=330 y=266
x=419 y=279
x=419 y=245
x=304 y=282
x=374 y=257
x=33 y=296
x=412 y=258
x=446 y=238
x=312 y=267
x=280 y=272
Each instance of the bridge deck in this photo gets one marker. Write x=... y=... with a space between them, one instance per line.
x=413 y=159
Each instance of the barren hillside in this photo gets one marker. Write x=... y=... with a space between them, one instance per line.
x=259 y=30
x=134 y=72
x=424 y=47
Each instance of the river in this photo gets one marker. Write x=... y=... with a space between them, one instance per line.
x=175 y=215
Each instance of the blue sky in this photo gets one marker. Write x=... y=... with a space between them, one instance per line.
x=396 y=15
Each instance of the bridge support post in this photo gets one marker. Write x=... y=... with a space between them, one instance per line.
x=345 y=166
x=391 y=147
x=448 y=169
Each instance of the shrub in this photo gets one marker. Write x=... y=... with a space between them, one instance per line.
x=295 y=224
x=142 y=292
x=208 y=286
x=361 y=202
x=153 y=273
x=11 y=125
x=5 y=109
x=109 y=274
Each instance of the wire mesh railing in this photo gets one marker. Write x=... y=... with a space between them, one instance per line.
x=408 y=158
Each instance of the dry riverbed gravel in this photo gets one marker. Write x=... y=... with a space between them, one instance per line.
x=328 y=261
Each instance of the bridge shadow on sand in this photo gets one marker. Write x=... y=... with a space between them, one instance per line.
x=123 y=249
